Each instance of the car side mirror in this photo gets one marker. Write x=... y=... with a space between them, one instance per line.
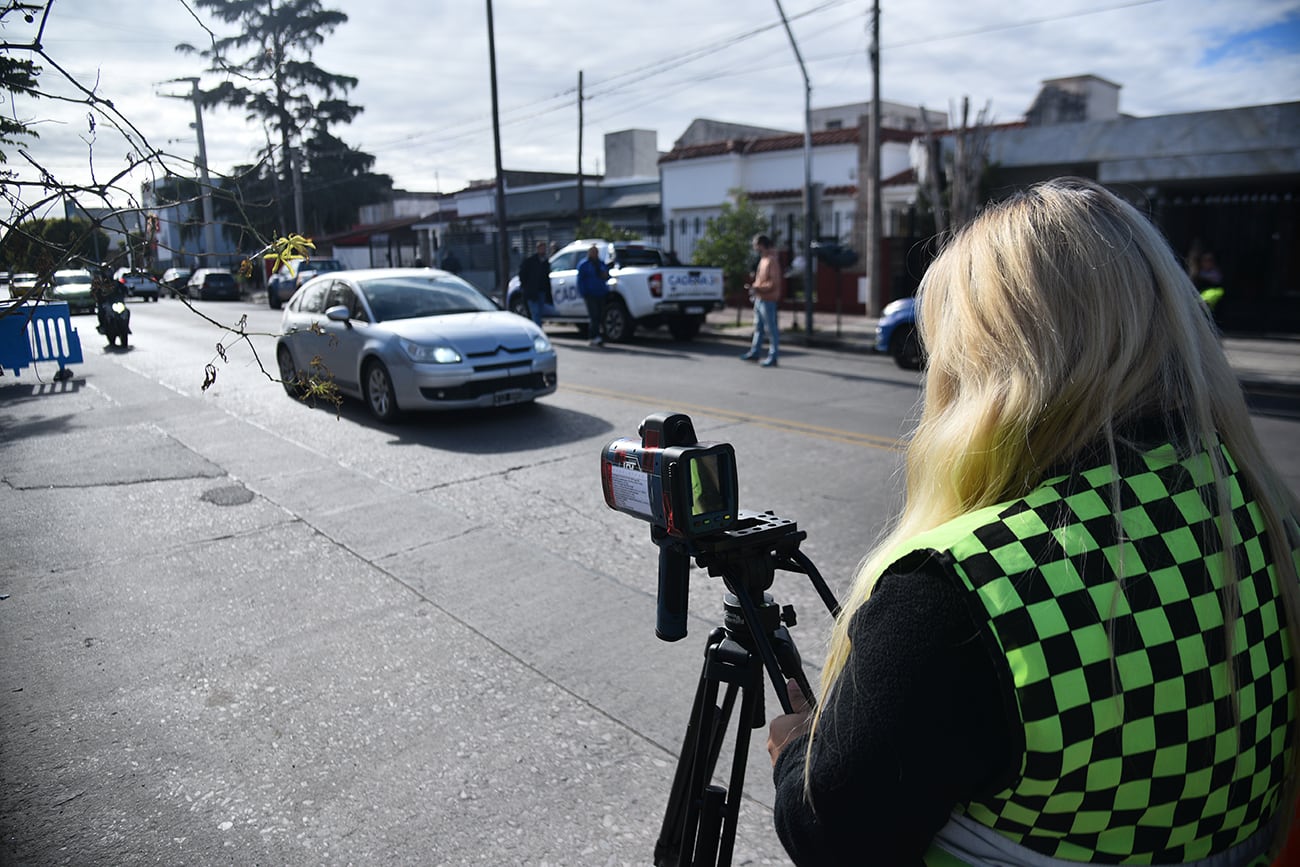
x=339 y=313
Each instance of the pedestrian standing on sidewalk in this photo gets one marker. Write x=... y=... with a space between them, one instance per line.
x=594 y=290
x=766 y=290
x=1080 y=641
x=535 y=281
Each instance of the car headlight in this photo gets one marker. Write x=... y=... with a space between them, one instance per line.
x=541 y=344
x=421 y=354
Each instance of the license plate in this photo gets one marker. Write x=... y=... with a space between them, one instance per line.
x=510 y=395
x=694 y=311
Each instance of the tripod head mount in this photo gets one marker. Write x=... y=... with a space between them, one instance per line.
x=745 y=556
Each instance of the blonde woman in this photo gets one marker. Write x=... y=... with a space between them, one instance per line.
x=1079 y=641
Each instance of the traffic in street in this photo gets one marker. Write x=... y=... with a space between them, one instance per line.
x=243 y=626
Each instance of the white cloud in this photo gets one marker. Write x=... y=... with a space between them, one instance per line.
x=424 y=82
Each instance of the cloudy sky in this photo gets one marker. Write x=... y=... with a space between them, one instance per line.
x=423 y=71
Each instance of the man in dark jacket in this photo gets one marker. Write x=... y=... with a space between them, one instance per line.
x=535 y=281
x=592 y=285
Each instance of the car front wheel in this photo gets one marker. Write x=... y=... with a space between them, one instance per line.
x=380 y=396
x=288 y=372
x=618 y=322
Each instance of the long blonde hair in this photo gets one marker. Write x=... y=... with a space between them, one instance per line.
x=1050 y=320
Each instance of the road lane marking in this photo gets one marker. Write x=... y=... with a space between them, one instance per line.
x=819 y=431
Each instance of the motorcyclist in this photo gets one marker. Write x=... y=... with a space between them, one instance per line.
x=107 y=292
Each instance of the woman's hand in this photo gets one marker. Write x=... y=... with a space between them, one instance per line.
x=787 y=727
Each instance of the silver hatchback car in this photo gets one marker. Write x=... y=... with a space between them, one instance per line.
x=412 y=339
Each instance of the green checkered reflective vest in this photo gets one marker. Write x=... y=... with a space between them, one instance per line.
x=1115 y=653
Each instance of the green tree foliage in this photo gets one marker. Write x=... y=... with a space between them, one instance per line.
x=594 y=227
x=338 y=180
x=31 y=245
x=16 y=76
x=268 y=71
x=728 y=240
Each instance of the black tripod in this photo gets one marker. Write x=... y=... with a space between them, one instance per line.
x=699 y=827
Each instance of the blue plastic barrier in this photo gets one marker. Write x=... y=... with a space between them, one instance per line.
x=38 y=332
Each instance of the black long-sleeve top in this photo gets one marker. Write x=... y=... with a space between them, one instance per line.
x=916 y=724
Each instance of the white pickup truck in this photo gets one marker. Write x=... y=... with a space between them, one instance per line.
x=647 y=289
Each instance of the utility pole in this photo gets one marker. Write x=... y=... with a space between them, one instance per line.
x=295 y=167
x=205 y=183
x=582 y=196
x=876 y=287
x=503 y=242
x=809 y=220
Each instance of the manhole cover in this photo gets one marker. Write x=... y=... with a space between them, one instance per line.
x=228 y=495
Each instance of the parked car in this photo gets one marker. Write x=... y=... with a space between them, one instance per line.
x=281 y=285
x=412 y=339
x=22 y=283
x=73 y=286
x=212 y=284
x=138 y=283
x=896 y=334
x=648 y=288
x=175 y=279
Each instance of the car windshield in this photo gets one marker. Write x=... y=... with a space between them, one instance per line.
x=65 y=279
x=412 y=296
x=220 y=279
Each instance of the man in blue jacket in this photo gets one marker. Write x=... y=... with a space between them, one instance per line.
x=591 y=284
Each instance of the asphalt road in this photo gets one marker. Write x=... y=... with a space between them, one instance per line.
x=241 y=629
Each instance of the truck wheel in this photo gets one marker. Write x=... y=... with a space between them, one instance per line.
x=685 y=328
x=905 y=346
x=618 y=323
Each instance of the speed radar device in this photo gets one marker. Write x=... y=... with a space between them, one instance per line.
x=667 y=477
x=687 y=492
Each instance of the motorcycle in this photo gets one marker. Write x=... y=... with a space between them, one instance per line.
x=114 y=320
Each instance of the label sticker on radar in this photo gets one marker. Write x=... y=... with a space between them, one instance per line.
x=630 y=489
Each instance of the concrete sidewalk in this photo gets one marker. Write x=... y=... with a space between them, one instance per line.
x=1262 y=361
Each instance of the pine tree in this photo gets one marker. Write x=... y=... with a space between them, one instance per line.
x=270 y=74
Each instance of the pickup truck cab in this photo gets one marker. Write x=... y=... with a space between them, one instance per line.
x=648 y=288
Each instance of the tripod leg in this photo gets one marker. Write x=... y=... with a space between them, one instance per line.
x=700 y=749
x=712 y=807
x=750 y=711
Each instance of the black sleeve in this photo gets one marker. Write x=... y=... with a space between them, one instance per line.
x=915 y=725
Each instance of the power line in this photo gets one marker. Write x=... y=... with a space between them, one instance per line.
x=997 y=28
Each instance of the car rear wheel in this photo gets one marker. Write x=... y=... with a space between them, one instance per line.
x=273 y=298
x=685 y=328
x=288 y=372
x=380 y=396
x=905 y=346
x=618 y=322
